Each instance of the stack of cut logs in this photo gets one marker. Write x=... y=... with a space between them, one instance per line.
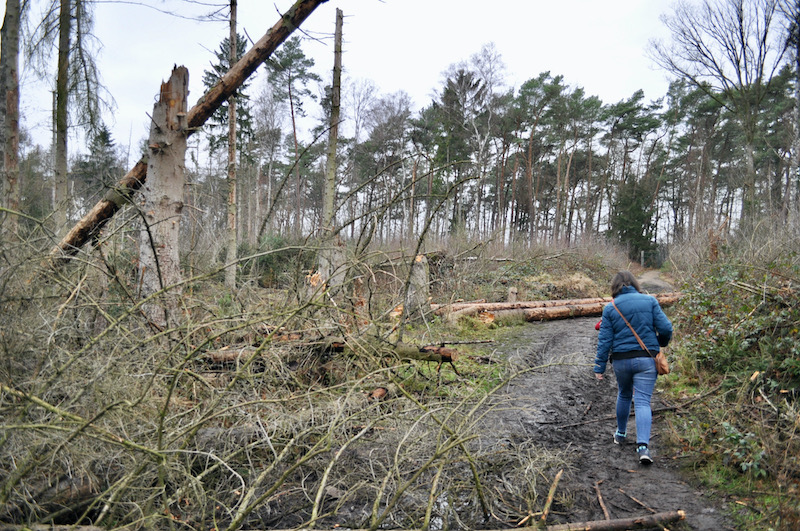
x=536 y=310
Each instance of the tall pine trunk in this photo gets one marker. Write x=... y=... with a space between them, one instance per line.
x=61 y=197
x=230 y=259
x=9 y=110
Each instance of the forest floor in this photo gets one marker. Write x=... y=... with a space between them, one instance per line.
x=564 y=407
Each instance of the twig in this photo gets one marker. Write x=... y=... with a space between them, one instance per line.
x=551 y=495
x=467 y=342
x=637 y=501
x=600 y=499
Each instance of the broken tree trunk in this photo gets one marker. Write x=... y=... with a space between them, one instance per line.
x=159 y=264
x=93 y=222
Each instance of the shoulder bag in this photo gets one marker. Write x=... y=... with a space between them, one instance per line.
x=662 y=367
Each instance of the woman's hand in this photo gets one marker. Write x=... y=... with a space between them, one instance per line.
x=598 y=376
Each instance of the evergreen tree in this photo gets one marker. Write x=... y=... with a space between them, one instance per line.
x=289 y=72
x=631 y=221
x=217 y=125
x=98 y=170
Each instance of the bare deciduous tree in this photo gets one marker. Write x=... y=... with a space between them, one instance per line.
x=730 y=49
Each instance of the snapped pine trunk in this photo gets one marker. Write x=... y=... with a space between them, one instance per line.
x=89 y=227
x=162 y=204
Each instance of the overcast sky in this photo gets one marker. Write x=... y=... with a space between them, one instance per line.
x=398 y=44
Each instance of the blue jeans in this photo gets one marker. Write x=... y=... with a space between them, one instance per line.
x=635 y=376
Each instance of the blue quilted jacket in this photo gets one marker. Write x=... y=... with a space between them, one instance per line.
x=644 y=314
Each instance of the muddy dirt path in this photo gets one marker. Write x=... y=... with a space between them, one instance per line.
x=563 y=407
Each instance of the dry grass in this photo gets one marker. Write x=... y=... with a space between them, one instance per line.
x=110 y=420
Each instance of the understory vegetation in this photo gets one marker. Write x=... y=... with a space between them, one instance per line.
x=737 y=328
x=276 y=407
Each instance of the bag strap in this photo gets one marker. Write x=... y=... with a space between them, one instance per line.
x=641 y=343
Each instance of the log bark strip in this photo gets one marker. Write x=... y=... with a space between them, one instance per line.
x=93 y=222
x=483 y=306
x=440 y=309
x=548 y=310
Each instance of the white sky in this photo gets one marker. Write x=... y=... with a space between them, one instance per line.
x=599 y=45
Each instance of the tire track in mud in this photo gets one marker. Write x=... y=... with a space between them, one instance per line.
x=561 y=406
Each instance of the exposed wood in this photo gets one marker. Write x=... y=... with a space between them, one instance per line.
x=379 y=393
x=622 y=524
x=93 y=222
x=426 y=353
x=563 y=312
x=551 y=495
x=600 y=499
x=162 y=201
x=440 y=309
x=543 y=310
x=483 y=306
x=230 y=355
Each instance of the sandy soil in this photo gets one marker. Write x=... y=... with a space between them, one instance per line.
x=563 y=406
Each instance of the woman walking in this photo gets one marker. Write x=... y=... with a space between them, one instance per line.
x=630 y=314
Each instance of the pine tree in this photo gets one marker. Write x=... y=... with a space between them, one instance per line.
x=217 y=125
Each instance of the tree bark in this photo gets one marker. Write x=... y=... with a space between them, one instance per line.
x=9 y=110
x=541 y=310
x=441 y=309
x=332 y=258
x=329 y=196
x=159 y=263
x=92 y=223
x=61 y=197
x=230 y=259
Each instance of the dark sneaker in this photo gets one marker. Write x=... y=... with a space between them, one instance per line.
x=644 y=455
x=620 y=438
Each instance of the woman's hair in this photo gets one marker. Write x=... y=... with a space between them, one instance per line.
x=622 y=279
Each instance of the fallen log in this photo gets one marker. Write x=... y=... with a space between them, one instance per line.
x=666 y=297
x=440 y=309
x=622 y=524
x=542 y=310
